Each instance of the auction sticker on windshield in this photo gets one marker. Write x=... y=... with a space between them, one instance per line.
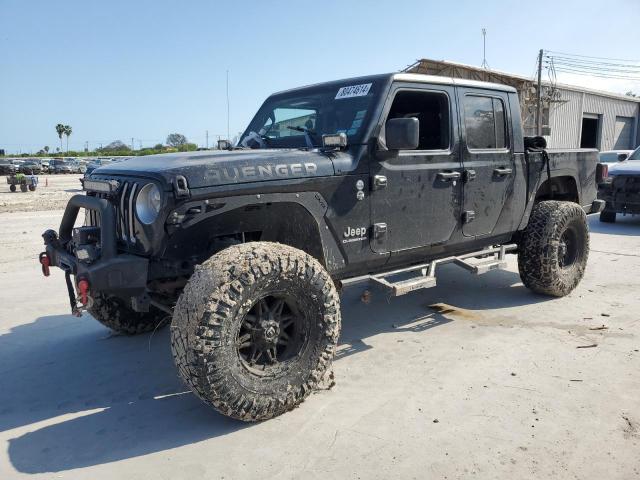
x=353 y=91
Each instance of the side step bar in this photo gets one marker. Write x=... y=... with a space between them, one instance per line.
x=424 y=275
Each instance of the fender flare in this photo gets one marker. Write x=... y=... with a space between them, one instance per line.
x=313 y=204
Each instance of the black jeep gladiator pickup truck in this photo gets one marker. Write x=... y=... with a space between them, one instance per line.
x=379 y=179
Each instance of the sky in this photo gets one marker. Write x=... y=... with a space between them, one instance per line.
x=117 y=70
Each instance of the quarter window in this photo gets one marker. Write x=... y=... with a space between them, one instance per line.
x=484 y=121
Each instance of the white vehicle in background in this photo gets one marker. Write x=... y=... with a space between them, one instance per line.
x=611 y=157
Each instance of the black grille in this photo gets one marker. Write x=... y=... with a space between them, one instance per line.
x=627 y=183
x=124 y=203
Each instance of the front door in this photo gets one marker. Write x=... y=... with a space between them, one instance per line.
x=416 y=194
x=487 y=156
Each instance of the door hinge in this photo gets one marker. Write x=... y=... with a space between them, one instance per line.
x=468 y=176
x=468 y=216
x=379 y=230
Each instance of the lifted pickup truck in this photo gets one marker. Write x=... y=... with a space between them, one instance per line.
x=620 y=188
x=377 y=179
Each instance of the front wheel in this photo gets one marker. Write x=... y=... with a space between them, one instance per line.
x=114 y=313
x=554 y=249
x=255 y=329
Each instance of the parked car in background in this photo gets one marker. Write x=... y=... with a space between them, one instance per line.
x=611 y=157
x=621 y=188
x=97 y=163
x=30 y=167
x=45 y=165
x=6 y=167
x=77 y=167
x=57 y=166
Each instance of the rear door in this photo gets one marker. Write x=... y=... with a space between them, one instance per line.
x=487 y=157
x=416 y=194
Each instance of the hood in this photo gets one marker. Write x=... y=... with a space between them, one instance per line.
x=627 y=167
x=211 y=168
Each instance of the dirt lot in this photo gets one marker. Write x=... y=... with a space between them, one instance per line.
x=477 y=378
x=52 y=194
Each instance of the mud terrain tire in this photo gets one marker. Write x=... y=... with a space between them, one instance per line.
x=225 y=318
x=607 y=216
x=113 y=313
x=554 y=249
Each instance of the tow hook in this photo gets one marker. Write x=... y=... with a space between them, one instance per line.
x=83 y=289
x=81 y=302
x=45 y=262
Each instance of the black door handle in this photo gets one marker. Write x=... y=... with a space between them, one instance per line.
x=448 y=176
x=501 y=172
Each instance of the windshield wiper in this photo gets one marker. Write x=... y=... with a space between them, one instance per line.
x=307 y=134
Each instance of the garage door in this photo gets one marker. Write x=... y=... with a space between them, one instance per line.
x=623 y=137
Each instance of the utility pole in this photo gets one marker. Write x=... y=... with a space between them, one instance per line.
x=539 y=95
x=207 y=135
x=228 y=137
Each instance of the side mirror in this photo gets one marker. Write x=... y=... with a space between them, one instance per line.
x=224 y=145
x=402 y=133
x=622 y=157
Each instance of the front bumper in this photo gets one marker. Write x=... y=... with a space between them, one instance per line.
x=123 y=275
x=620 y=199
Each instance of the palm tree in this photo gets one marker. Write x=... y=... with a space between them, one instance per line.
x=46 y=149
x=60 y=131
x=67 y=132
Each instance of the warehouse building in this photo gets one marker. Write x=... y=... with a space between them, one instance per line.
x=572 y=117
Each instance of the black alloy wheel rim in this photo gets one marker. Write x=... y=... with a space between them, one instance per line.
x=568 y=248
x=271 y=334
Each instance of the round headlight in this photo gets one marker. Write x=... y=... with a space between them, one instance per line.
x=148 y=203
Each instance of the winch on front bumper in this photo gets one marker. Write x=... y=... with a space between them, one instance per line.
x=90 y=254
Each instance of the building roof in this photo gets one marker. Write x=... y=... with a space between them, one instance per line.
x=428 y=66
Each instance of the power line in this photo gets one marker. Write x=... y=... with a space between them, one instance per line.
x=597 y=58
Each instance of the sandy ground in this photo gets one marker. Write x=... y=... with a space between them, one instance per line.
x=489 y=384
x=52 y=193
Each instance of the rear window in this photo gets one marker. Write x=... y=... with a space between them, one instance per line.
x=484 y=121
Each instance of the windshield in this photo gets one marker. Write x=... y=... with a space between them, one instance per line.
x=635 y=155
x=299 y=118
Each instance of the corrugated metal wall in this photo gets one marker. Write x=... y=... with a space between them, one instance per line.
x=566 y=118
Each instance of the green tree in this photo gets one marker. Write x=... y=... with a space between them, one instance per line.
x=67 y=131
x=176 y=139
x=60 y=131
x=158 y=146
x=46 y=148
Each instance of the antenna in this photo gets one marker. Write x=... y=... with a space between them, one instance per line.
x=484 y=65
x=228 y=138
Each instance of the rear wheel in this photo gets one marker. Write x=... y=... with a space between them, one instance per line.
x=554 y=249
x=255 y=329
x=608 y=216
x=23 y=187
x=12 y=188
x=113 y=313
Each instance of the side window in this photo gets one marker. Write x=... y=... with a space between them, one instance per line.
x=432 y=111
x=484 y=121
